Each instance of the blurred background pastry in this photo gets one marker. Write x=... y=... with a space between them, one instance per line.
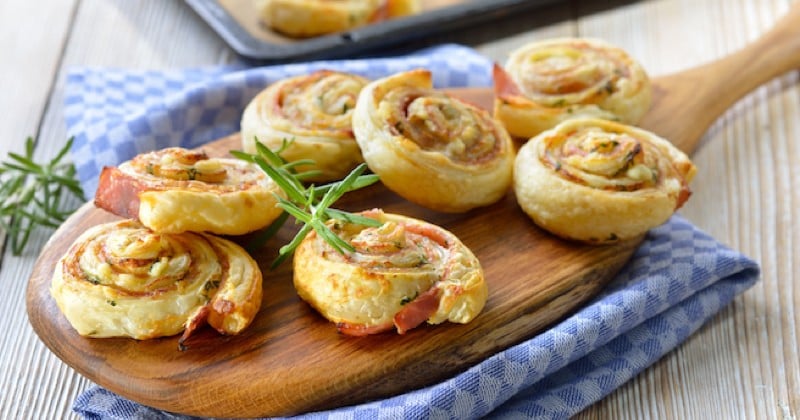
x=546 y=82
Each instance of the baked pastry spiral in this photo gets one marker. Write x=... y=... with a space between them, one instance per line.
x=123 y=280
x=430 y=148
x=176 y=190
x=314 y=112
x=546 y=82
x=401 y=274
x=600 y=181
x=306 y=18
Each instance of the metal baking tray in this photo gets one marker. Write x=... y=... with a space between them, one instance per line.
x=237 y=22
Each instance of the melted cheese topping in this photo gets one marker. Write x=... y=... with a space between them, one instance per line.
x=123 y=280
x=438 y=123
x=599 y=181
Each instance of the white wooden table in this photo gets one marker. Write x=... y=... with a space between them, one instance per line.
x=743 y=364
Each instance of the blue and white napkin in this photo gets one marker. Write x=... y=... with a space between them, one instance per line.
x=676 y=281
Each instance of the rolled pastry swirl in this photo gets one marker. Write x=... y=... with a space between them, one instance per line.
x=314 y=112
x=546 y=82
x=401 y=274
x=600 y=181
x=306 y=18
x=176 y=190
x=430 y=148
x=123 y=280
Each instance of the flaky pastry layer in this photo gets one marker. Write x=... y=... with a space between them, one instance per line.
x=546 y=82
x=401 y=274
x=431 y=148
x=599 y=181
x=123 y=280
x=313 y=112
x=176 y=190
x=306 y=18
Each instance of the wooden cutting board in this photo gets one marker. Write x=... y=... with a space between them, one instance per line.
x=291 y=360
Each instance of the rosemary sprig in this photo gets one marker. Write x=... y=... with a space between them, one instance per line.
x=309 y=205
x=32 y=193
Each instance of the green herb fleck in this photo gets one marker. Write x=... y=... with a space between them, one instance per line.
x=407 y=299
x=211 y=284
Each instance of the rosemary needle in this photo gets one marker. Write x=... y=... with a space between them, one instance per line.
x=311 y=206
x=32 y=193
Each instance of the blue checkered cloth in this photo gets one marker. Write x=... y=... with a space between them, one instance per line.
x=676 y=281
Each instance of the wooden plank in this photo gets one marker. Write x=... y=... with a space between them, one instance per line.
x=28 y=78
x=31 y=57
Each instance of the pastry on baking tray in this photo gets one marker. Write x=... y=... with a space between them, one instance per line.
x=306 y=18
x=312 y=111
x=121 y=279
x=176 y=190
x=431 y=148
x=400 y=275
x=600 y=181
x=544 y=83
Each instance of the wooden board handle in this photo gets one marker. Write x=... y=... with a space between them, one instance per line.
x=698 y=96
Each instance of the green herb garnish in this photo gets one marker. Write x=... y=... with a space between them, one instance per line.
x=31 y=193
x=309 y=205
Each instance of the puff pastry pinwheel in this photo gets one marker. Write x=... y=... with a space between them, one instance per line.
x=544 y=83
x=401 y=274
x=306 y=18
x=120 y=279
x=314 y=112
x=176 y=190
x=600 y=181
x=430 y=148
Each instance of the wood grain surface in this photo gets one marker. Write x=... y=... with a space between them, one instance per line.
x=291 y=360
x=744 y=364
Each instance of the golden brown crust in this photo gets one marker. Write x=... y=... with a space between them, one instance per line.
x=401 y=274
x=312 y=111
x=175 y=190
x=430 y=148
x=307 y=18
x=546 y=82
x=599 y=181
x=123 y=280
